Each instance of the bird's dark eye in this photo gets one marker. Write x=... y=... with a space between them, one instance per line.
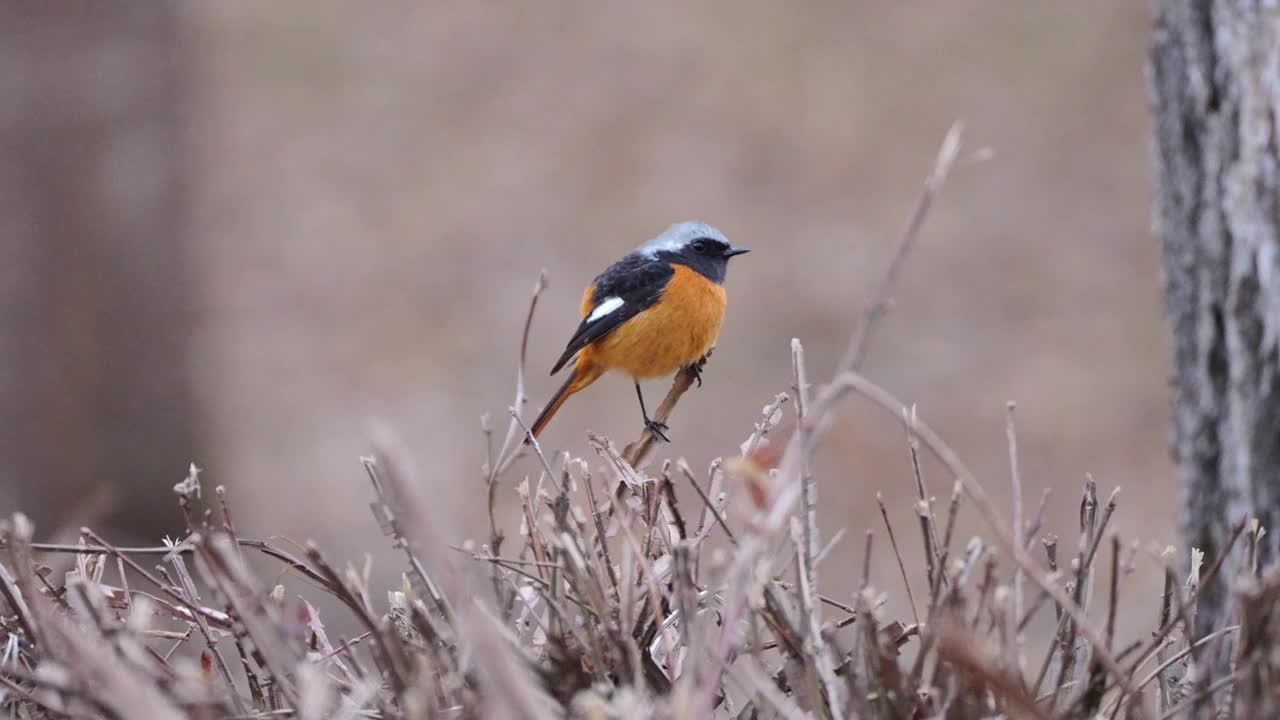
x=700 y=245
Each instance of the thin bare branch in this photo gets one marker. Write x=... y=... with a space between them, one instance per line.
x=857 y=349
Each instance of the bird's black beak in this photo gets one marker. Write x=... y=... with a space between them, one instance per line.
x=734 y=251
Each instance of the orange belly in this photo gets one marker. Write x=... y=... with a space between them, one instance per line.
x=676 y=331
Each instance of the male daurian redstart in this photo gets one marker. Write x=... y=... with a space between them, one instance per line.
x=651 y=313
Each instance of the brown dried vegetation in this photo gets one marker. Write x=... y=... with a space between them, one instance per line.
x=615 y=600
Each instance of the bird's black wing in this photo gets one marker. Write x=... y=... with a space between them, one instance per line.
x=636 y=282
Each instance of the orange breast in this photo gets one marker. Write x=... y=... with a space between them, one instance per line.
x=676 y=331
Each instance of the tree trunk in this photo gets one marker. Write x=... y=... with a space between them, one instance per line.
x=95 y=407
x=1215 y=93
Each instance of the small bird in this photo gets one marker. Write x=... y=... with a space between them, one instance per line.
x=656 y=310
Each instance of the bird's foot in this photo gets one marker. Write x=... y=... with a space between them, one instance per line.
x=656 y=429
x=696 y=369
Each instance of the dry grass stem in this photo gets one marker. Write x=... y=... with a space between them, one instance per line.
x=605 y=590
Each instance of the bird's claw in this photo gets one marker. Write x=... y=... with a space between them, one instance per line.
x=655 y=428
x=696 y=370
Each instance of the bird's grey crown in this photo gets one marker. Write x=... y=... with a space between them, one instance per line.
x=674 y=238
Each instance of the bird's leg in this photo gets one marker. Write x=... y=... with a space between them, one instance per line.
x=654 y=426
x=696 y=369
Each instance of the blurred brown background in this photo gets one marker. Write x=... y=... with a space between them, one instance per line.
x=338 y=212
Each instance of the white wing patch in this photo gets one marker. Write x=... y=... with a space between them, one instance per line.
x=605 y=307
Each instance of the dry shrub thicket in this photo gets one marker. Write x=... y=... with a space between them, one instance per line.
x=616 y=600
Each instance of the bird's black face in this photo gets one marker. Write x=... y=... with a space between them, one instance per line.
x=709 y=256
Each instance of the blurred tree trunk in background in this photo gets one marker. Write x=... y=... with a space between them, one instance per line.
x=1215 y=91
x=95 y=409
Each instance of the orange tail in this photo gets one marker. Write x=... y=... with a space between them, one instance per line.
x=584 y=373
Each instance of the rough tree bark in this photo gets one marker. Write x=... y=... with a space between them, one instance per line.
x=1215 y=93
x=95 y=408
